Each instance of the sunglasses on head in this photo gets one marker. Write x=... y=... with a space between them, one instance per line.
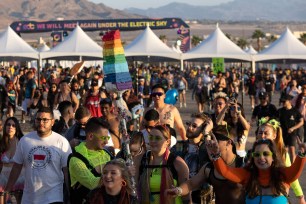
x=193 y=125
x=159 y=94
x=219 y=103
x=264 y=153
x=155 y=138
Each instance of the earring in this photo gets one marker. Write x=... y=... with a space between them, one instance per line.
x=123 y=183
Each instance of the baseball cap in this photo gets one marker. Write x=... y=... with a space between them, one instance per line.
x=262 y=94
x=286 y=97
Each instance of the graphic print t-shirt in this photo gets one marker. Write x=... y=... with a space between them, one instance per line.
x=43 y=160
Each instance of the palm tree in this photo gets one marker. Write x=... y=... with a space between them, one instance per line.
x=242 y=43
x=228 y=36
x=163 y=38
x=258 y=34
x=195 y=40
x=303 y=38
x=271 y=38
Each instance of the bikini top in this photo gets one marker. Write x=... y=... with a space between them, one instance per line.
x=5 y=159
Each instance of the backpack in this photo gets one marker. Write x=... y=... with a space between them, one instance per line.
x=78 y=192
x=170 y=164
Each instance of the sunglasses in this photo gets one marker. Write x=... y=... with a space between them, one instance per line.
x=233 y=108
x=193 y=125
x=265 y=154
x=155 y=138
x=44 y=120
x=159 y=94
x=220 y=103
x=9 y=125
x=102 y=137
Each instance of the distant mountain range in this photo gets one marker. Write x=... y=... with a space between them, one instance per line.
x=16 y=10
x=237 y=10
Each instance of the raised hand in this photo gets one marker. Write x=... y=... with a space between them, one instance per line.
x=212 y=145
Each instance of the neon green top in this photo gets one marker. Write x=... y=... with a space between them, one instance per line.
x=155 y=180
x=296 y=187
x=78 y=170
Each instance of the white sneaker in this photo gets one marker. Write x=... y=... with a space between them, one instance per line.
x=23 y=121
x=185 y=105
x=181 y=105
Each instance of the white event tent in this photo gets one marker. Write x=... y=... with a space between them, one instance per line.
x=13 y=47
x=76 y=47
x=148 y=47
x=286 y=49
x=217 y=45
x=250 y=50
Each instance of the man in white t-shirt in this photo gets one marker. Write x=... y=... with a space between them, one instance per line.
x=43 y=154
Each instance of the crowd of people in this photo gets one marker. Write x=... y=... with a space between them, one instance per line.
x=82 y=151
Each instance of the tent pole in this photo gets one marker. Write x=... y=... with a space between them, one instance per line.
x=242 y=81
x=182 y=64
x=39 y=62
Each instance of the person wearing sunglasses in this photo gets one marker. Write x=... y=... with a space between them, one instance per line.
x=225 y=190
x=76 y=133
x=193 y=150
x=43 y=154
x=168 y=114
x=219 y=102
x=93 y=99
x=232 y=116
x=12 y=133
x=85 y=164
x=270 y=129
x=264 y=109
x=265 y=178
x=158 y=168
x=107 y=114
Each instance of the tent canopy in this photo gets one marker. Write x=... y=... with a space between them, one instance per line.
x=148 y=46
x=251 y=50
x=13 y=47
x=77 y=45
x=217 y=45
x=285 y=49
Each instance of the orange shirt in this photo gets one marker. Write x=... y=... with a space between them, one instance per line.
x=241 y=175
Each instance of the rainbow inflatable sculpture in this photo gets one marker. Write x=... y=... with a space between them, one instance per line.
x=116 y=69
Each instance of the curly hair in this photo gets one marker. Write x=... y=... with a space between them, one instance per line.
x=276 y=183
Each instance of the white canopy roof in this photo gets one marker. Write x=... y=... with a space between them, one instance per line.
x=286 y=48
x=217 y=45
x=147 y=44
x=77 y=44
x=43 y=48
x=13 y=47
x=251 y=50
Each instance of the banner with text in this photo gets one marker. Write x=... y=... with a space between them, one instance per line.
x=218 y=65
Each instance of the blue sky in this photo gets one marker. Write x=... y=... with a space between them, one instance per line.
x=143 y=4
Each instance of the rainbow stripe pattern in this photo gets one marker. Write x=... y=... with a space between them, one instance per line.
x=115 y=67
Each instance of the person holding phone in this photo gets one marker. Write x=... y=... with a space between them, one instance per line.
x=232 y=116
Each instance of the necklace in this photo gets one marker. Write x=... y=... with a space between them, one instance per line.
x=229 y=164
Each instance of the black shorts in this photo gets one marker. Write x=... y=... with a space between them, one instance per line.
x=289 y=140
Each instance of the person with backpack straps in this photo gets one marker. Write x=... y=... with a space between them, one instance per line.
x=159 y=169
x=86 y=162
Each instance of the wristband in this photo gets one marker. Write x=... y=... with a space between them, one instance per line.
x=215 y=157
x=301 y=155
x=179 y=191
